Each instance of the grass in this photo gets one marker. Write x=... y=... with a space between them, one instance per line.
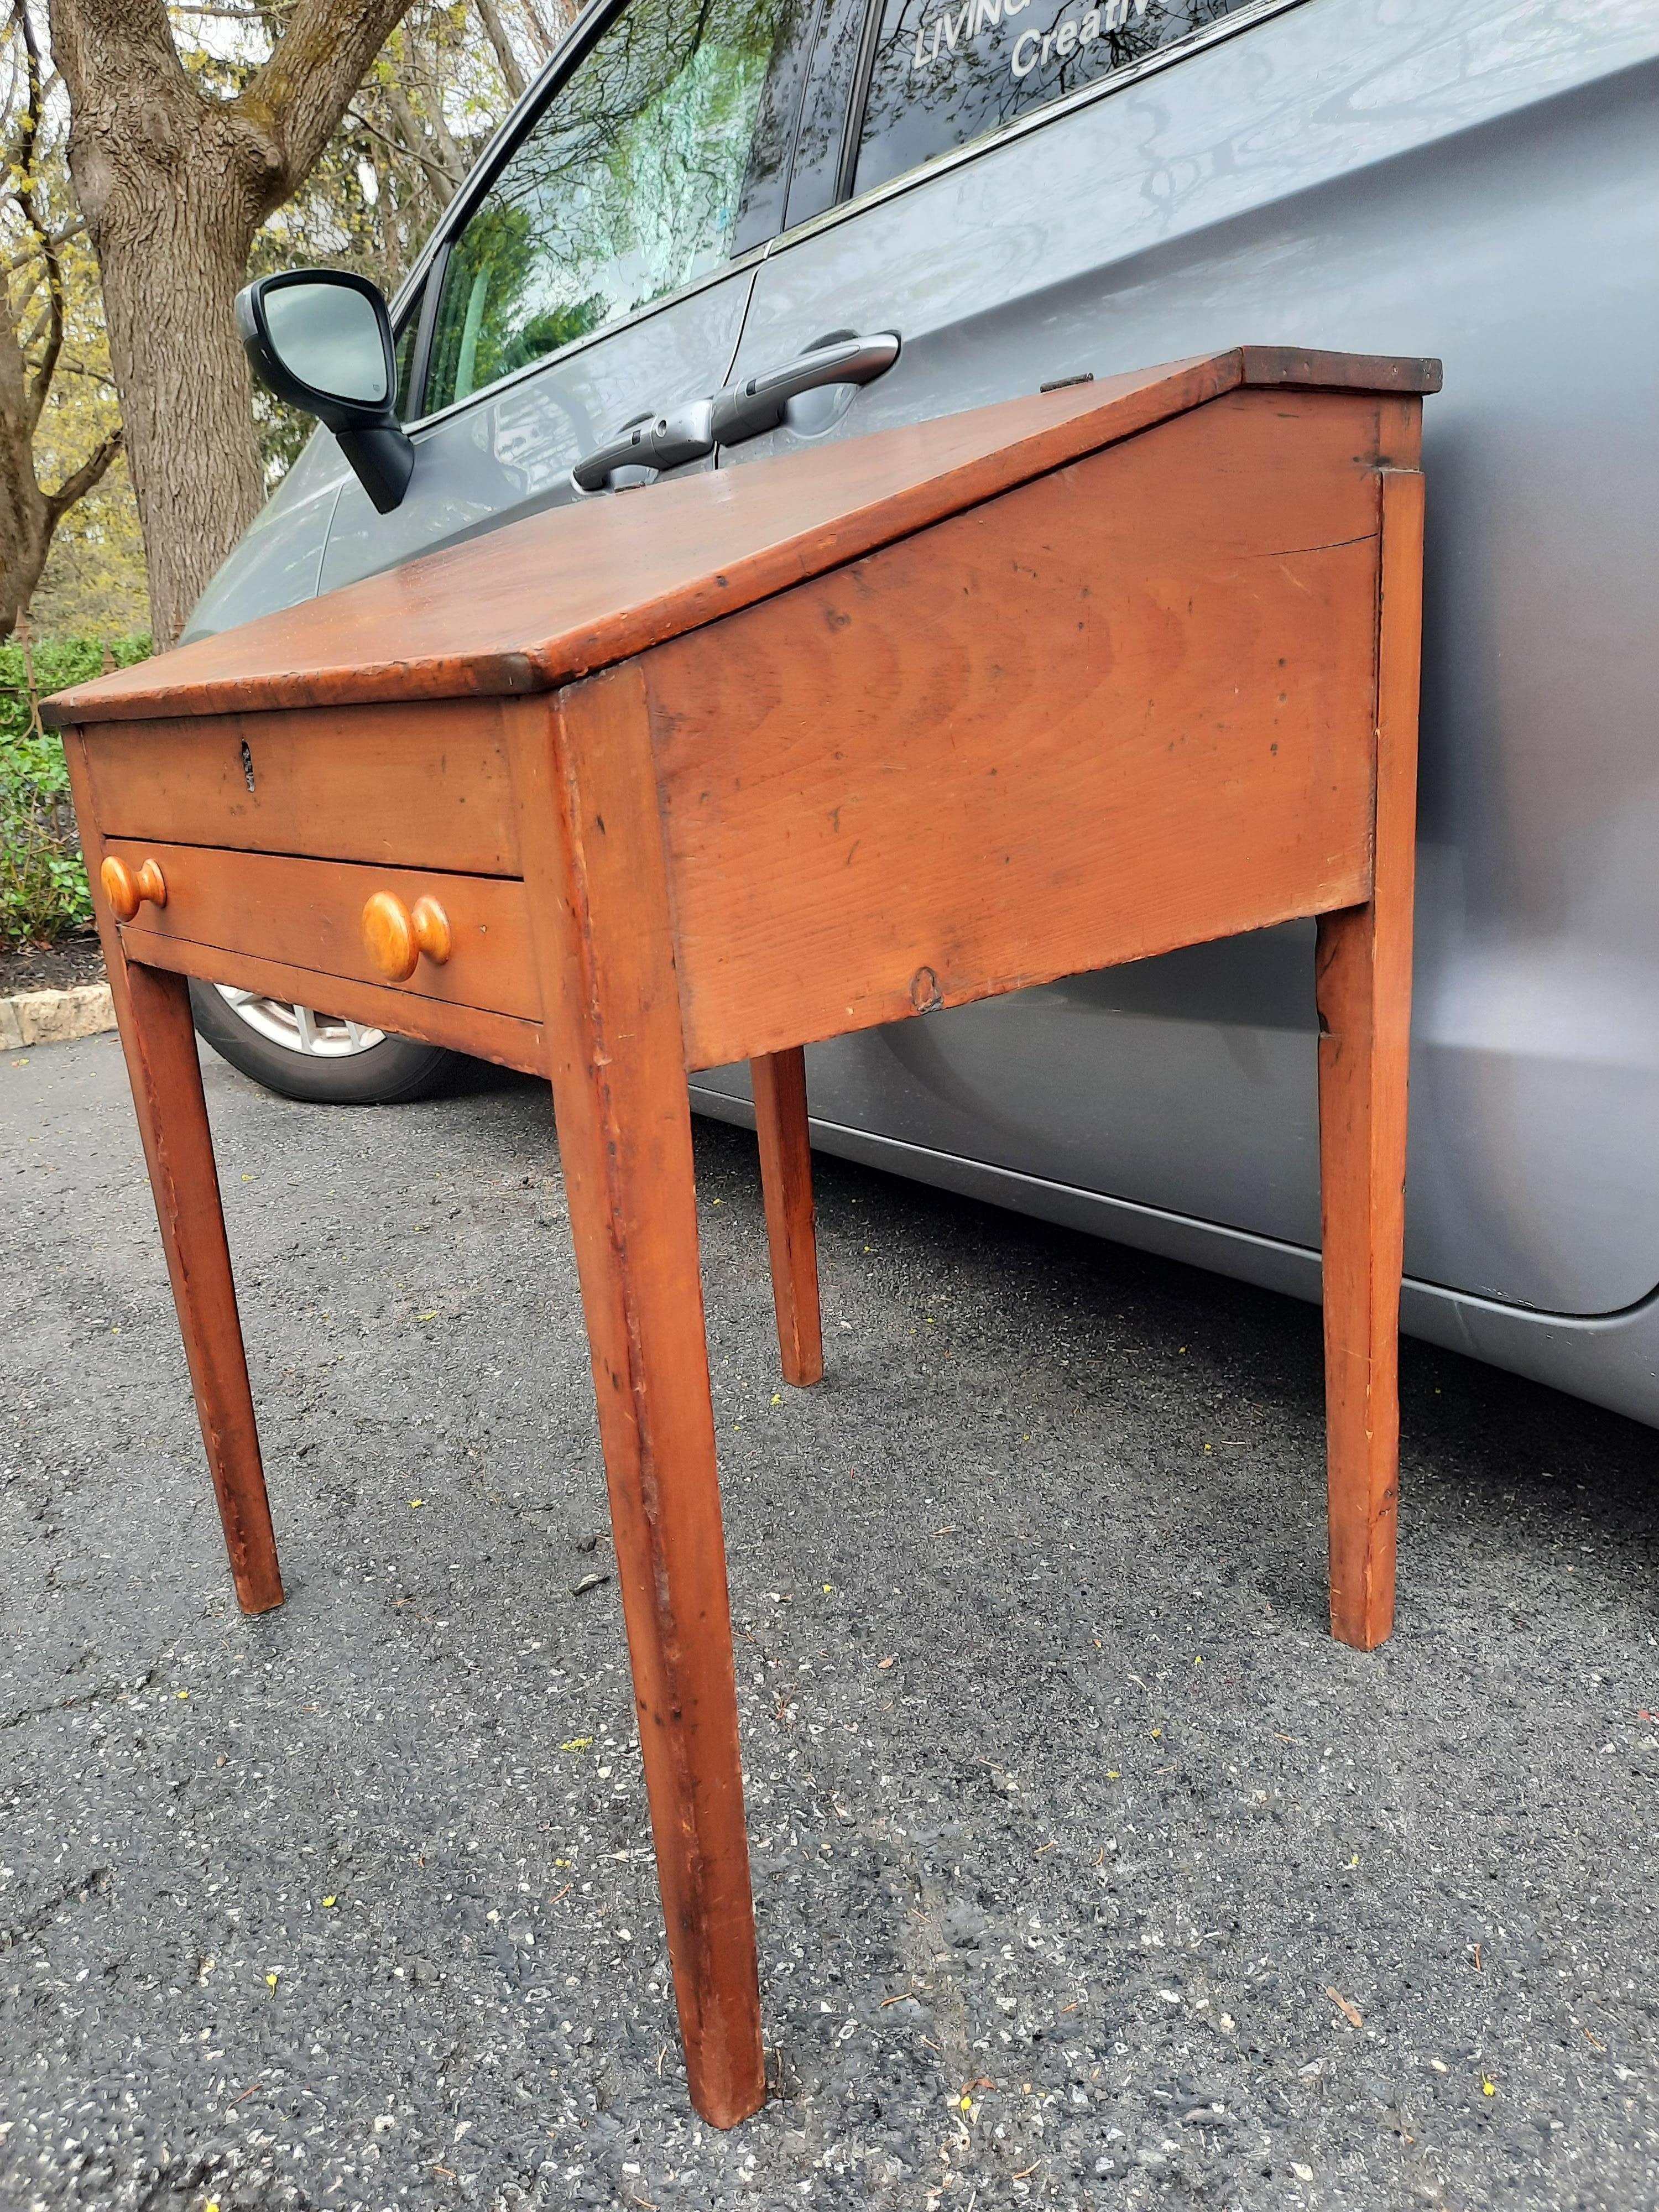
x=43 y=879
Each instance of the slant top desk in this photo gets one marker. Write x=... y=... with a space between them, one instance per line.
x=671 y=779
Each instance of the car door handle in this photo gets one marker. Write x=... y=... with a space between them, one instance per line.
x=750 y=409
x=746 y=409
x=659 y=442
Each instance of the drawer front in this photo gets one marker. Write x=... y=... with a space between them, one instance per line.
x=308 y=915
x=422 y=785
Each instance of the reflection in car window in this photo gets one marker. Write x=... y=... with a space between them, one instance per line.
x=633 y=182
x=405 y=353
x=949 y=70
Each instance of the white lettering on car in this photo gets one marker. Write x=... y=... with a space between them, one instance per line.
x=958 y=26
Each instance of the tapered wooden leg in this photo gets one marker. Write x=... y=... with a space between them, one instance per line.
x=1363 y=966
x=1362 y=1169
x=592 y=853
x=779 y=1079
x=159 y=1039
x=152 y=1011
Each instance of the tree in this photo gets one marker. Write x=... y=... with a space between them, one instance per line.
x=57 y=404
x=409 y=135
x=174 y=180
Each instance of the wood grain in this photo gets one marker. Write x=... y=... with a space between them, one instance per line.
x=418 y=785
x=541 y=602
x=834 y=740
x=310 y=914
x=1126 y=708
x=1363 y=970
x=779 y=1082
x=158 y=1039
x=588 y=829
x=508 y=1040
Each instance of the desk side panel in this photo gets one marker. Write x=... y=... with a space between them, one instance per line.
x=1127 y=706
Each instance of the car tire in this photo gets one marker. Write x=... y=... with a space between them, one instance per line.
x=386 y=1073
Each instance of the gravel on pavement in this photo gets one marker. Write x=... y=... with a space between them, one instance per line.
x=1088 y=1871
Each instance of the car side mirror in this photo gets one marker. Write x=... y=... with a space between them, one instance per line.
x=321 y=340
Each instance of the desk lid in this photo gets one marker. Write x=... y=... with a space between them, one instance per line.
x=537 y=602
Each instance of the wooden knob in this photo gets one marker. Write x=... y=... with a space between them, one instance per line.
x=395 y=937
x=127 y=891
x=431 y=928
x=389 y=936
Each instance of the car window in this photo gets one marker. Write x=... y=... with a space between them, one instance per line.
x=642 y=174
x=949 y=70
x=408 y=329
x=814 y=176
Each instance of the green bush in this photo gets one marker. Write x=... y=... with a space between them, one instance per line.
x=43 y=882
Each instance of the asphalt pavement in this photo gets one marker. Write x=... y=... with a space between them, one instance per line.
x=1088 y=1871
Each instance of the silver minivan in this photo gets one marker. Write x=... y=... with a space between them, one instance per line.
x=756 y=199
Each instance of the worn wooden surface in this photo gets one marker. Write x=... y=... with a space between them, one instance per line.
x=1123 y=709
x=604 y=939
x=1057 y=684
x=507 y=1039
x=417 y=786
x=578 y=588
x=779 y=1083
x=311 y=913
x=1364 y=989
x=158 y=1038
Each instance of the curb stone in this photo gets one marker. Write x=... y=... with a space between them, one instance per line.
x=55 y=1016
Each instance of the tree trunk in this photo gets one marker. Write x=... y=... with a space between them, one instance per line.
x=24 y=519
x=28 y=516
x=171 y=269
x=173 y=183
x=172 y=210
x=505 y=60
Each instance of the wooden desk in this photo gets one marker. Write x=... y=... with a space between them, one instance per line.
x=657 y=783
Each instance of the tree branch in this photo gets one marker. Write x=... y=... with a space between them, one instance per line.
x=436 y=151
x=90 y=37
x=259 y=13
x=90 y=473
x=40 y=382
x=495 y=31
x=403 y=151
x=564 y=12
x=301 y=93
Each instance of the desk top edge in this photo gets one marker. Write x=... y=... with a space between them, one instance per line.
x=723 y=540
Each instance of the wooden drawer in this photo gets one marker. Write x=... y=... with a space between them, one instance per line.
x=421 y=786
x=308 y=915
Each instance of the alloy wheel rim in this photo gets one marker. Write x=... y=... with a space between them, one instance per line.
x=297 y=1029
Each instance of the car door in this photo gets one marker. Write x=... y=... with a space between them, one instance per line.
x=596 y=267
x=1044 y=189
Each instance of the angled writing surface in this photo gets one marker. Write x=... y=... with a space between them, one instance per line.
x=537 y=602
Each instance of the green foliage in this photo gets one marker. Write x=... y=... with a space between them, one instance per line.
x=94 y=584
x=43 y=881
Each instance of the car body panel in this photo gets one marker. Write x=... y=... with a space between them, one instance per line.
x=280 y=561
x=1368 y=176
x=1612 y=1359
x=490 y=460
x=1267 y=185
x=509 y=452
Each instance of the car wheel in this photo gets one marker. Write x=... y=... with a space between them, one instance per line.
x=303 y=1054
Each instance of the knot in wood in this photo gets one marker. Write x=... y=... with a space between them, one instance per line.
x=924 y=992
